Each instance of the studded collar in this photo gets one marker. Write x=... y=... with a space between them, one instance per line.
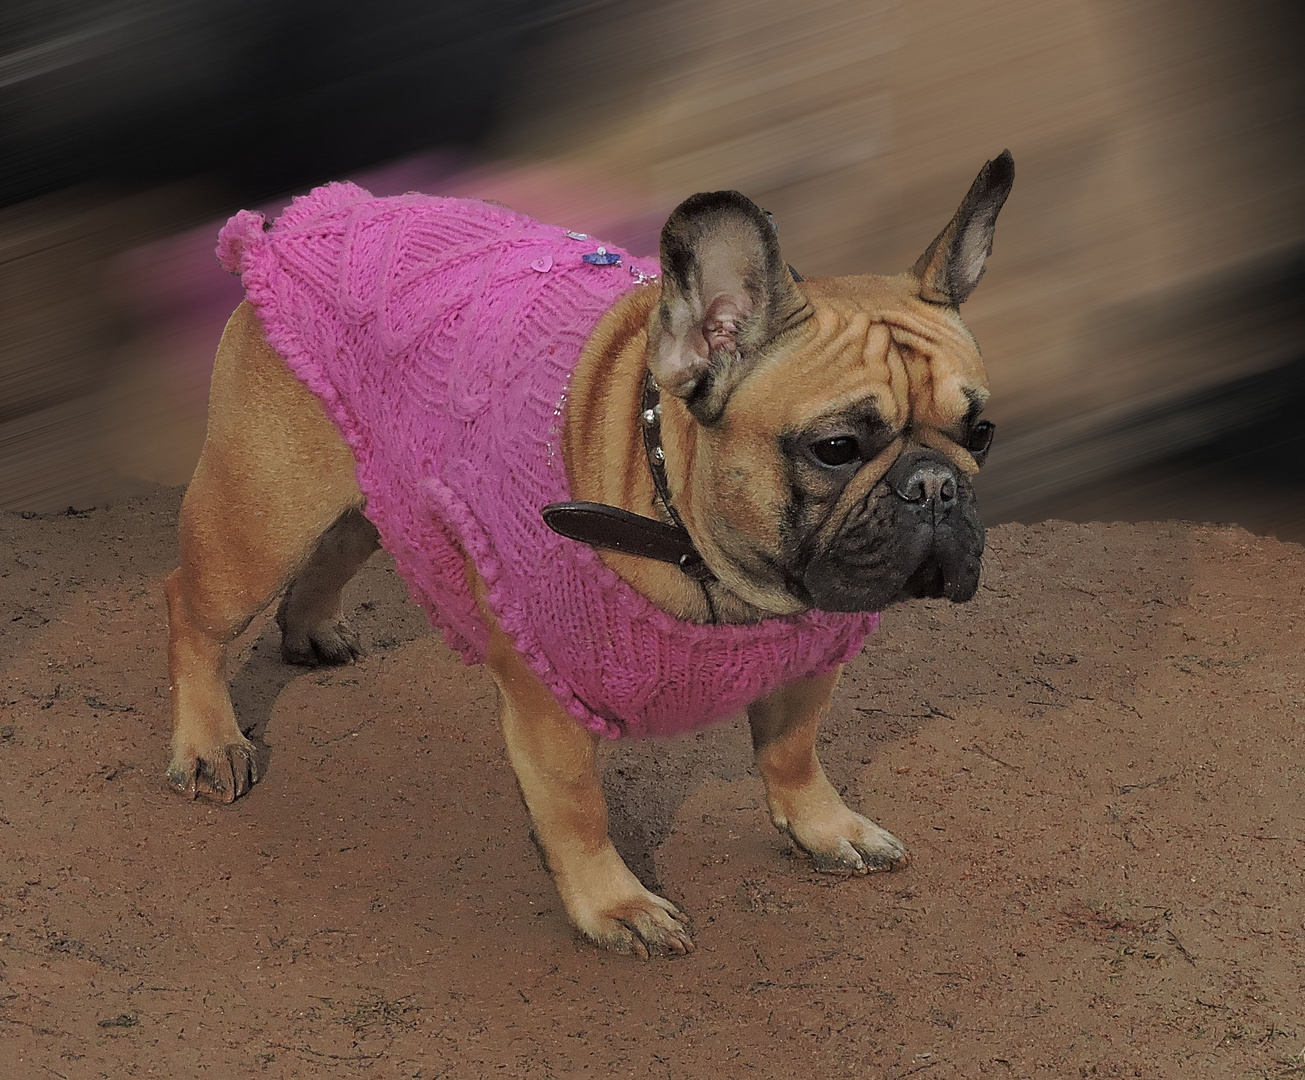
x=604 y=526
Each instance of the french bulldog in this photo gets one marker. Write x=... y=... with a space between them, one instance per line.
x=740 y=467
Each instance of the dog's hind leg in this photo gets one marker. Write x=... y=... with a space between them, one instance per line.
x=313 y=630
x=803 y=803
x=272 y=480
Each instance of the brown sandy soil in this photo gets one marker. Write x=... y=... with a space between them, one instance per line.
x=1097 y=766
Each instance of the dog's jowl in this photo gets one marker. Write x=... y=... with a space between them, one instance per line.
x=647 y=494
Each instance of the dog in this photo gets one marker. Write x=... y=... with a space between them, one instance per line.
x=739 y=469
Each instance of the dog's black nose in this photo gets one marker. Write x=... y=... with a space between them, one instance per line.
x=925 y=482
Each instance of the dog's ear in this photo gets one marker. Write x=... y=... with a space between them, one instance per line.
x=952 y=266
x=726 y=293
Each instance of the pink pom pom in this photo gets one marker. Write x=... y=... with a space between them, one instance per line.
x=235 y=234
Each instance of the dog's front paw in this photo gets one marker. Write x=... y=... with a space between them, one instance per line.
x=324 y=646
x=610 y=907
x=844 y=842
x=640 y=925
x=223 y=773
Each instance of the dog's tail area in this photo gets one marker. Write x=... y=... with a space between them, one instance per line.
x=235 y=235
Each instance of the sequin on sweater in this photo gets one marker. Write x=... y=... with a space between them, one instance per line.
x=442 y=352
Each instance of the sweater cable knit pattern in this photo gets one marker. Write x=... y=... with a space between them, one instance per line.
x=443 y=355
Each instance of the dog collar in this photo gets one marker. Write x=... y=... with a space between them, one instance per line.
x=604 y=526
x=611 y=527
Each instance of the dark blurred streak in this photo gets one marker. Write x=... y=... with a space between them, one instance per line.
x=263 y=96
x=1233 y=454
x=1208 y=365
x=569 y=14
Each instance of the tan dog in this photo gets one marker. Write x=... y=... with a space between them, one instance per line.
x=818 y=436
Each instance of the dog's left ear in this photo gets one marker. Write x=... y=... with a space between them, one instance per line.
x=726 y=293
x=952 y=266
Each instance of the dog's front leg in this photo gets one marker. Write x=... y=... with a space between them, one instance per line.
x=803 y=803
x=555 y=762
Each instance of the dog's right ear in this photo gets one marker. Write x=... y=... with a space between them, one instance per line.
x=726 y=292
x=951 y=267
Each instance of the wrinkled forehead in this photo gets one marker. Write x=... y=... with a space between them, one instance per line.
x=877 y=340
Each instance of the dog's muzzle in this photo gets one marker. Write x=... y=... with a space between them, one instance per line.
x=917 y=534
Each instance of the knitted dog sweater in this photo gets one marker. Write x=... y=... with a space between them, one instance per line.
x=440 y=335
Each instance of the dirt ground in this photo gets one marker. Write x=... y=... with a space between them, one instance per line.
x=1097 y=767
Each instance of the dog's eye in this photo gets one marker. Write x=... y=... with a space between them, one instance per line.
x=980 y=440
x=837 y=451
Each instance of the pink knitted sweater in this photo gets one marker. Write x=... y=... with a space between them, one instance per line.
x=440 y=335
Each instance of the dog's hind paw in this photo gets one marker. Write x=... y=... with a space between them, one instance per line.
x=325 y=646
x=223 y=773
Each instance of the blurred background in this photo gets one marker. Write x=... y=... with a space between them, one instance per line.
x=1142 y=315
